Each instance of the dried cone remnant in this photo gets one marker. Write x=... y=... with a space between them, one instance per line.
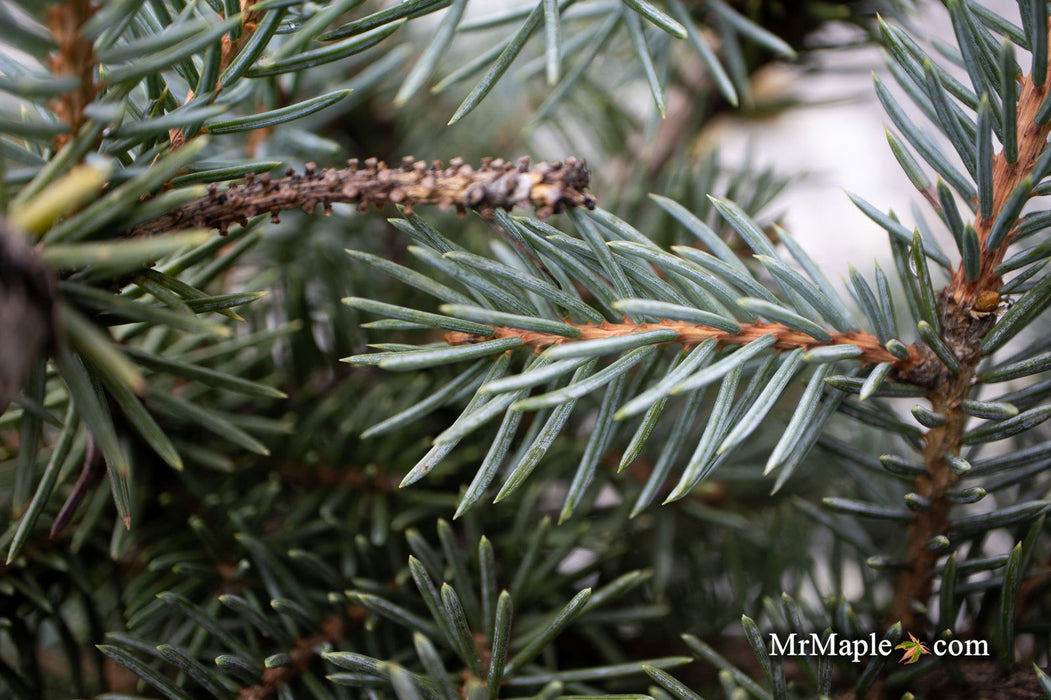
x=550 y=188
x=27 y=301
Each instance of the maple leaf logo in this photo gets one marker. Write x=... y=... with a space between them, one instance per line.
x=913 y=648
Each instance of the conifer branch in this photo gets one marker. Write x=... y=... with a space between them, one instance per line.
x=966 y=317
x=689 y=334
x=550 y=188
x=1007 y=176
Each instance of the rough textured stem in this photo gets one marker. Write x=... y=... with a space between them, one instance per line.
x=962 y=332
x=549 y=188
x=965 y=321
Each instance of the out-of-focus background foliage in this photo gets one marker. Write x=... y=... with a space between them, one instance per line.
x=190 y=508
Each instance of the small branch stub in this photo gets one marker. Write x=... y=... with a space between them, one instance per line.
x=550 y=188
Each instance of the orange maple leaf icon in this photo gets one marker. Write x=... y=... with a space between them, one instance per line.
x=914 y=649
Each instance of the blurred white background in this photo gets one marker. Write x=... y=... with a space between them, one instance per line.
x=840 y=143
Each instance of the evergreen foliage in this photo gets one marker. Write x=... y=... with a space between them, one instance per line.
x=572 y=443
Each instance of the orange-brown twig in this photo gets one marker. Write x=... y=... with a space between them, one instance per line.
x=1032 y=140
x=912 y=369
x=249 y=23
x=75 y=57
x=228 y=50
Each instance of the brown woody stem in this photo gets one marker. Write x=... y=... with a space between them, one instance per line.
x=549 y=188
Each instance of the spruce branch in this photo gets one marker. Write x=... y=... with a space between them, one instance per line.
x=1008 y=179
x=967 y=312
x=550 y=188
x=691 y=334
